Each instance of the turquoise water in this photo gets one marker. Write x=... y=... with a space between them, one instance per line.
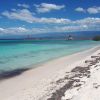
x=15 y=55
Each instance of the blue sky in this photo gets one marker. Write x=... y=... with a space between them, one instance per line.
x=42 y=16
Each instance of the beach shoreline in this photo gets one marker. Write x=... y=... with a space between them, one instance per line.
x=16 y=72
x=35 y=84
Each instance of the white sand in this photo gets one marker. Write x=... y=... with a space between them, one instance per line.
x=39 y=83
x=90 y=90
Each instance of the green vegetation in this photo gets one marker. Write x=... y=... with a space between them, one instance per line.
x=96 y=38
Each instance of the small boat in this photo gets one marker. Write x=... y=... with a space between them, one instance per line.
x=69 y=37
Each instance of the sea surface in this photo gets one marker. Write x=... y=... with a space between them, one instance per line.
x=16 y=54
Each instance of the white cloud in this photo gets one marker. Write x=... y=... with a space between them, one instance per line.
x=93 y=10
x=13 y=30
x=26 y=15
x=71 y=28
x=80 y=9
x=45 y=7
x=53 y=20
x=65 y=24
x=86 y=24
x=23 y=5
x=90 y=10
x=87 y=21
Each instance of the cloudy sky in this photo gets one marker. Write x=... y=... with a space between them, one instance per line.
x=43 y=16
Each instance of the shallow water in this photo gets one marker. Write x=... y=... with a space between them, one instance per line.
x=18 y=55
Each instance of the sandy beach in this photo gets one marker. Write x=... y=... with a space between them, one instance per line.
x=48 y=80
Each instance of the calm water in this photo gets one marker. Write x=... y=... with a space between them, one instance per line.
x=15 y=55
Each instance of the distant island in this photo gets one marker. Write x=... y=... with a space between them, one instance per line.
x=82 y=35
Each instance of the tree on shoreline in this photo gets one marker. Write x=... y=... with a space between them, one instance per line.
x=96 y=38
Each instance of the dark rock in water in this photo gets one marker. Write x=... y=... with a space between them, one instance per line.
x=9 y=74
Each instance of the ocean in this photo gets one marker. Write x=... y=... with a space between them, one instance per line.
x=26 y=54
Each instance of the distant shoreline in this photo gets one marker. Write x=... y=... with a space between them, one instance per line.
x=34 y=39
